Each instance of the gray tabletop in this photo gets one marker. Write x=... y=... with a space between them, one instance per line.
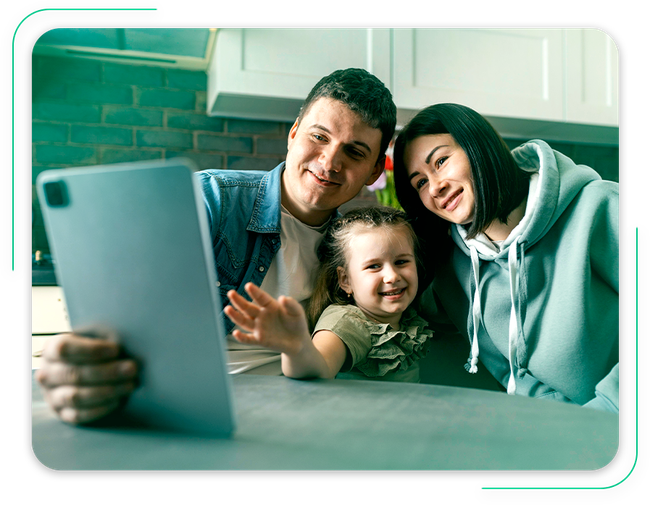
x=286 y=424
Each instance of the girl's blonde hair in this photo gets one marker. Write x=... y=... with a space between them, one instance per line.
x=332 y=253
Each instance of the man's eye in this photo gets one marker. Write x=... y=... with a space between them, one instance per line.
x=318 y=137
x=355 y=153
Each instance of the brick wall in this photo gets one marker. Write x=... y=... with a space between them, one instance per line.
x=88 y=112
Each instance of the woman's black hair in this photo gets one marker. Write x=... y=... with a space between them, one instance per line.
x=499 y=185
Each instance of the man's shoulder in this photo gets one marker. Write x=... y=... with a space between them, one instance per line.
x=255 y=194
x=223 y=184
x=223 y=177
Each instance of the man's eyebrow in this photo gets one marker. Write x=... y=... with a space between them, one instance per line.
x=320 y=127
x=362 y=144
x=355 y=142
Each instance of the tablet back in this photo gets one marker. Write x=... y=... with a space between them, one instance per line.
x=132 y=252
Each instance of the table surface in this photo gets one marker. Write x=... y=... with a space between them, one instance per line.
x=286 y=424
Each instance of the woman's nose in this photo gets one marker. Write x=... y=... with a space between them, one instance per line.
x=437 y=187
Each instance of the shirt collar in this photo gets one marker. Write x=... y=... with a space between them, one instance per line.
x=266 y=210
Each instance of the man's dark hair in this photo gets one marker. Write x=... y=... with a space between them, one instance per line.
x=364 y=94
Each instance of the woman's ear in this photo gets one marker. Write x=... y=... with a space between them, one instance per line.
x=343 y=280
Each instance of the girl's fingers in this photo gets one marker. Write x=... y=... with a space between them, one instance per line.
x=242 y=305
x=291 y=306
x=239 y=318
x=244 y=338
x=259 y=296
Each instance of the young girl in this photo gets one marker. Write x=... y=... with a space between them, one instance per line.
x=364 y=327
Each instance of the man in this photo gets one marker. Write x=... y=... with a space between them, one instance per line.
x=265 y=228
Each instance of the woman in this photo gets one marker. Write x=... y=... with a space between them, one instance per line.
x=524 y=248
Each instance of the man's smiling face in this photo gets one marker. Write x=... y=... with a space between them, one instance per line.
x=331 y=155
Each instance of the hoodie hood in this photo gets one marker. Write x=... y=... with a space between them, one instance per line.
x=555 y=181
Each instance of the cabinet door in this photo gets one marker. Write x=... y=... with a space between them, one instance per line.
x=498 y=72
x=592 y=77
x=267 y=73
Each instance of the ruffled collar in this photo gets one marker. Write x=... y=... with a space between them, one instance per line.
x=392 y=349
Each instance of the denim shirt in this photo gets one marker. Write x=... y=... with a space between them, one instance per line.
x=243 y=210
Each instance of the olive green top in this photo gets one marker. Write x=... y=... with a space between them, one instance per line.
x=375 y=350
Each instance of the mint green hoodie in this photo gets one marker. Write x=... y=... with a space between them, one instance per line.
x=544 y=318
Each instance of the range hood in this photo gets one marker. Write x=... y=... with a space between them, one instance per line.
x=186 y=48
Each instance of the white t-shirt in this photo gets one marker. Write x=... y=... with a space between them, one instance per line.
x=292 y=273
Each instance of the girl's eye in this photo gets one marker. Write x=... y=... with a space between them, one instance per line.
x=420 y=183
x=374 y=266
x=401 y=262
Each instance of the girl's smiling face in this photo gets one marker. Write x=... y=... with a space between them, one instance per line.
x=381 y=272
x=440 y=172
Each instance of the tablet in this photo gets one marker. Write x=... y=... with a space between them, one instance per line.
x=132 y=251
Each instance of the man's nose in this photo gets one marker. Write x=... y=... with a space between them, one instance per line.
x=330 y=158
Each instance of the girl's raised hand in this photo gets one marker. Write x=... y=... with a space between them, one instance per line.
x=279 y=324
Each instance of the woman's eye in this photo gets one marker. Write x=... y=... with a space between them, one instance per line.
x=440 y=161
x=420 y=183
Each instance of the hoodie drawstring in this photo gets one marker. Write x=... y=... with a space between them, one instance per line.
x=515 y=320
x=472 y=362
x=513 y=330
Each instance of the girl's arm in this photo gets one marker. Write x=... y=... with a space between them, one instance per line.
x=281 y=325
x=323 y=358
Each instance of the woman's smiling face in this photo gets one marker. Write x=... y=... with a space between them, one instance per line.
x=440 y=172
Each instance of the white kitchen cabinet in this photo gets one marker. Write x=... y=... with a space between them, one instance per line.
x=557 y=84
x=592 y=77
x=498 y=72
x=267 y=73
